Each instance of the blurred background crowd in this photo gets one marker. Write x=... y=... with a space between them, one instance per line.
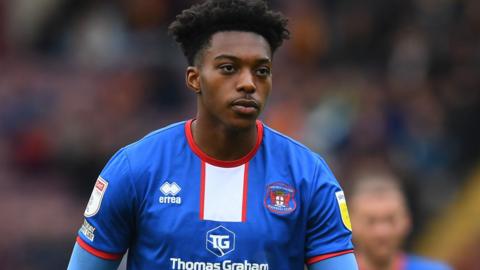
x=368 y=84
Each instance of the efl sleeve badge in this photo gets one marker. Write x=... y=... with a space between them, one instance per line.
x=342 y=204
x=96 y=198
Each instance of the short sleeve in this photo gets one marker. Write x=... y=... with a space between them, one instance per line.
x=328 y=232
x=109 y=216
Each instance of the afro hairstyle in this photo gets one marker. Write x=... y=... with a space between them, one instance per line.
x=194 y=27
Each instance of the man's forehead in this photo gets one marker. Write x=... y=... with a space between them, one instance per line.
x=238 y=44
x=391 y=203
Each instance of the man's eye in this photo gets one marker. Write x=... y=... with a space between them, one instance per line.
x=263 y=71
x=227 y=68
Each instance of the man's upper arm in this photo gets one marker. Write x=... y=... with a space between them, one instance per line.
x=342 y=262
x=112 y=202
x=328 y=233
x=83 y=260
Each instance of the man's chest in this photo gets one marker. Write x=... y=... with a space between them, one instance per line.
x=208 y=211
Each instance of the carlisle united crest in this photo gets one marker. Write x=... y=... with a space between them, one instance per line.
x=280 y=198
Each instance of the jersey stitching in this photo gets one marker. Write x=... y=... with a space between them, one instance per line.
x=130 y=178
x=313 y=188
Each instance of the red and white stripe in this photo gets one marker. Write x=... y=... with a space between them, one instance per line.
x=223 y=195
x=224 y=184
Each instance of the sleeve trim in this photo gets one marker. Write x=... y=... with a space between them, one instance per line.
x=98 y=253
x=327 y=256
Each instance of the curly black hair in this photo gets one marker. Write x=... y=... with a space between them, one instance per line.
x=194 y=27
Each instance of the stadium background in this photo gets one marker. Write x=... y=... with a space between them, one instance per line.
x=368 y=84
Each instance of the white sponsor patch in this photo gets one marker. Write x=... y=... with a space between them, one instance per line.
x=88 y=230
x=96 y=198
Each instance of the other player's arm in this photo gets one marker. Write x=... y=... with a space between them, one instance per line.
x=83 y=260
x=342 y=262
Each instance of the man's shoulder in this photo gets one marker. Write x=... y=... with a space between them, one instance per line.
x=416 y=262
x=302 y=161
x=163 y=141
x=160 y=136
x=278 y=140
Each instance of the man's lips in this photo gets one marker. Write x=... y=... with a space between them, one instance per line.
x=245 y=106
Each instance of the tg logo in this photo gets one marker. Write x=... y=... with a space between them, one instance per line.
x=220 y=241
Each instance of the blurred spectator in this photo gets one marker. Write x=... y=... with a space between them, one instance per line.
x=2 y=29
x=381 y=223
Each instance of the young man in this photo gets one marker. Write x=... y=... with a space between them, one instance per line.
x=222 y=190
x=382 y=222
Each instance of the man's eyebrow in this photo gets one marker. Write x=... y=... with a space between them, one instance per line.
x=235 y=58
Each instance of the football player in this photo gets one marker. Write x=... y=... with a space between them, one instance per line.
x=221 y=190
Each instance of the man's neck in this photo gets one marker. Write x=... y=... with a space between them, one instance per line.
x=221 y=142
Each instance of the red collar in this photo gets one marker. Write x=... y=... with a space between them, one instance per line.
x=220 y=163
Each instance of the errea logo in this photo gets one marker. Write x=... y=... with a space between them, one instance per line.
x=170 y=190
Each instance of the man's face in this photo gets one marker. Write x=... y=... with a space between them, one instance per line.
x=234 y=76
x=380 y=224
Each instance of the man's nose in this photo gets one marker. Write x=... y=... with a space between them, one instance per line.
x=246 y=82
x=382 y=229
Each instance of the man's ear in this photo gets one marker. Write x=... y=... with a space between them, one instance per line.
x=192 y=78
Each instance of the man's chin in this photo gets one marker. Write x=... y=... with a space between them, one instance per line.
x=382 y=256
x=243 y=123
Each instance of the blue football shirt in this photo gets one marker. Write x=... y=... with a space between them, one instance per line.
x=413 y=262
x=173 y=207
